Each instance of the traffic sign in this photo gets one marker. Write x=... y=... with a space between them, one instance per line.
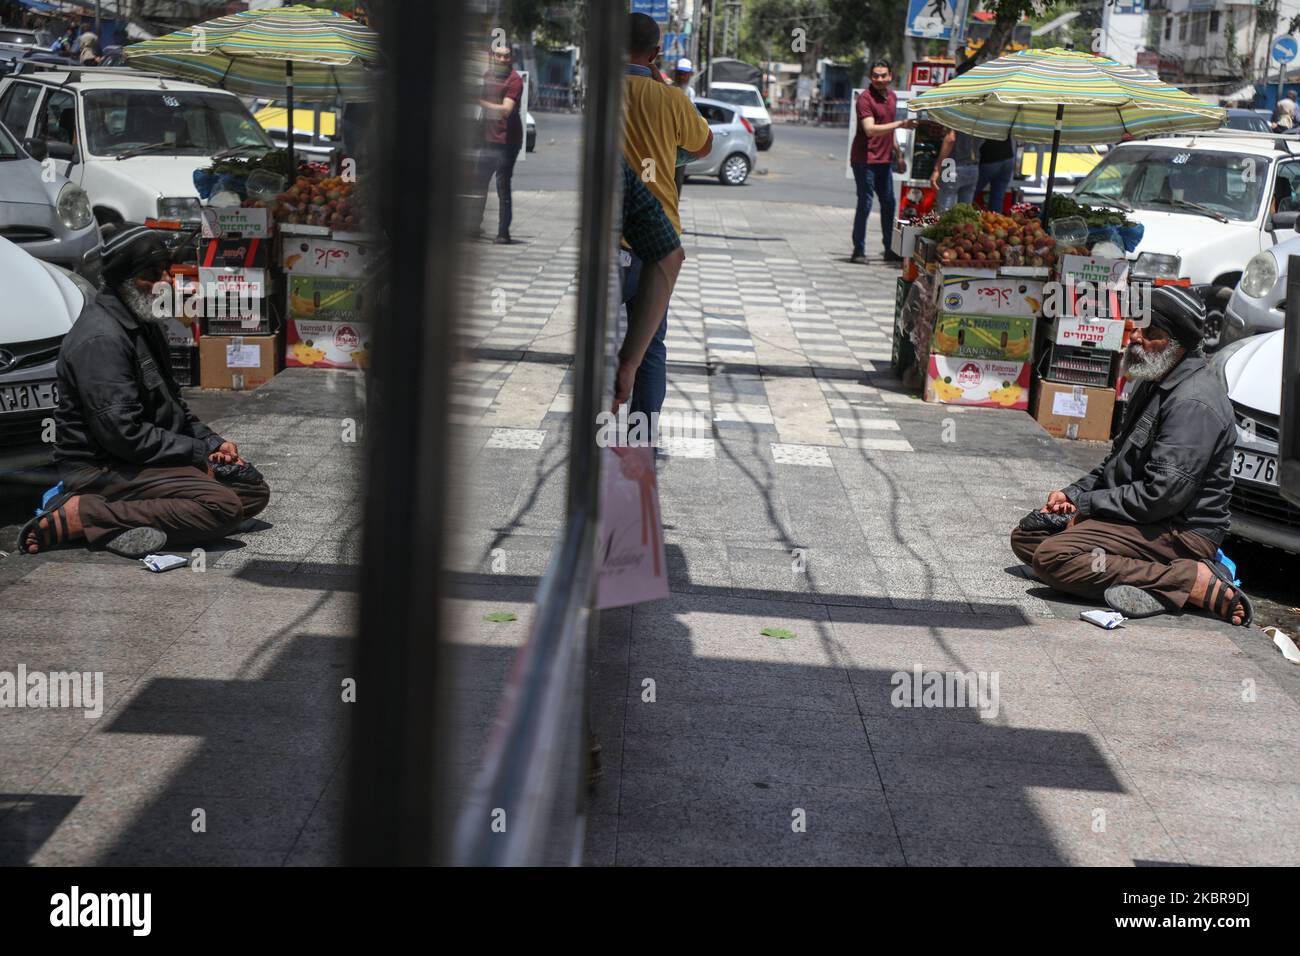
x=1285 y=49
x=676 y=45
x=655 y=9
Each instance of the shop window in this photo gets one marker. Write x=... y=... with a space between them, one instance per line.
x=1214 y=21
x=1169 y=28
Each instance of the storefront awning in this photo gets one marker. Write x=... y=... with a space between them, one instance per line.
x=39 y=7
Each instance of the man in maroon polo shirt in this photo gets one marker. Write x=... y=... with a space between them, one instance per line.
x=872 y=158
x=503 y=135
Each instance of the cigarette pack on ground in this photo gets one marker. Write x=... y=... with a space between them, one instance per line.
x=979 y=382
x=1004 y=338
x=237 y=362
x=316 y=344
x=1075 y=411
x=971 y=295
x=326 y=299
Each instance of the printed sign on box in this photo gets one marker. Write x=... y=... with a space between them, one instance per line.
x=973 y=296
x=180 y=334
x=317 y=344
x=219 y=221
x=1104 y=334
x=324 y=257
x=250 y=283
x=1007 y=338
x=246 y=253
x=325 y=298
x=981 y=382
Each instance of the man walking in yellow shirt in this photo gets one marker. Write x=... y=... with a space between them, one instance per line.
x=657 y=120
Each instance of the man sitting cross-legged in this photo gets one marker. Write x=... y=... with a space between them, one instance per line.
x=139 y=470
x=1142 y=529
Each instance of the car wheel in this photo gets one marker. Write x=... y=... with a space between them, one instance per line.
x=735 y=170
x=763 y=146
x=532 y=143
x=1216 y=304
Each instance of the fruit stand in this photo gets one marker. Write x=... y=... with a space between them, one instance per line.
x=971 y=327
x=297 y=251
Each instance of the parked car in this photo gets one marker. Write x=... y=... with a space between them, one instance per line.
x=14 y=36
x=131 y=140
x=48 y=216
x=316 y=127
x=1073 y=163
x=1247 y=120
x=750 y=102
x=734 y=151
x=1206 y=204
x=1251 y=370
x=530 y=132
x=41 y=301
x=1258 y=303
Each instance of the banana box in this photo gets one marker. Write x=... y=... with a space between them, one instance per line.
x=1005 y=338
x=974 y=295
x=323 y=344
x=326 y=299
x=953 y=380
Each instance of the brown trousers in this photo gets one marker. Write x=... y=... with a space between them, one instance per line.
x=183 y=502
x=1091 y=556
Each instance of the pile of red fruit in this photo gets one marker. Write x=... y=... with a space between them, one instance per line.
x=318 y=200
x=999 y=240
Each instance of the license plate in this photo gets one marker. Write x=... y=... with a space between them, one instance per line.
x=1253 y=467
x=29 y=397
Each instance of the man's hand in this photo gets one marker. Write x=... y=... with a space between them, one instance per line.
x=226 y=454
x=1059 y=504
x=907 y=124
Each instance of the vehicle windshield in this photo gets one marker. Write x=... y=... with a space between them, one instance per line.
x=18 y=37
x=737 y=97
x=1252 y=122
x=170 y=122
x=8 y=148
x=1177 y=179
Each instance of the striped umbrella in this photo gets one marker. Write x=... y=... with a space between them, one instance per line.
x=316 y=55
x=1064 y=96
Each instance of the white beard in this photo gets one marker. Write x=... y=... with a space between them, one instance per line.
x=139 y=304
x=1143 y=366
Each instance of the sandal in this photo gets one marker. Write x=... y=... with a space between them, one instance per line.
x=135 y=543
x=1219 y=604
x=50 y=534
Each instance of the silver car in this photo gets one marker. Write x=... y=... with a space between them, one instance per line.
x=734 y=151
x=43 y=212
x=1258 y=303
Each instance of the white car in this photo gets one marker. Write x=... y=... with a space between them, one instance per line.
x=1252 y=371
x=41 y=301
x=1206 y=202
x=750 y=102
x=131 y=140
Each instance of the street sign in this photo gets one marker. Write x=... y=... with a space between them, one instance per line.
x=934 y=19
x=1285 y=49
x=675 y=45
x=655 y=9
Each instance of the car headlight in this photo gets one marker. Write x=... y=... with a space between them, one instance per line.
x=1153 y=265
x=1260 y=276
x=73 y=207
x=178 y=207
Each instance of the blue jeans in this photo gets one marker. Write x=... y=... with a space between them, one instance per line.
x=997 y=176
x=496 y=159
x=961 y=190
x=868 y=177
x=651 y=386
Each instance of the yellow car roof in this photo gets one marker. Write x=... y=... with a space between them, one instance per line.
x=272 y=117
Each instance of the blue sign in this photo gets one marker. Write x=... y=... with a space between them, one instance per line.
x=933 y=19
x=1284 y=49
x=676 y=45
x=655 y=9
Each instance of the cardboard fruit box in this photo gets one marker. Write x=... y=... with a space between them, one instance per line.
x=979 y=382
x=313 y=343
x=1003 y=338
x=237 y=361
x=1075 y=411
x=971 y=295
x=326 y=299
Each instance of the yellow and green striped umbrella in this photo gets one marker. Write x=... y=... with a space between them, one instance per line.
x=1090 y=99
x=325 y=55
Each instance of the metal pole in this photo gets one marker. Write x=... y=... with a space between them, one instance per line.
x=708 y=77
x=1051 y=175
x=288 y=96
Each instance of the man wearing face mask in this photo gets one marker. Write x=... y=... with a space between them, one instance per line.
x=139 y=471
x=1142 y=530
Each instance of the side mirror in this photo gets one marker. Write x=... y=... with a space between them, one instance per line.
x=59 y=150
x=36 y=148
x=1284 y=220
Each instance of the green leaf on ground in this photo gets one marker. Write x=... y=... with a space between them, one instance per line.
x=778 y=632
x=497 y=616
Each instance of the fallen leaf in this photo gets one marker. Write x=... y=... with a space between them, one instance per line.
x=778 y=632
x=497 y=616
